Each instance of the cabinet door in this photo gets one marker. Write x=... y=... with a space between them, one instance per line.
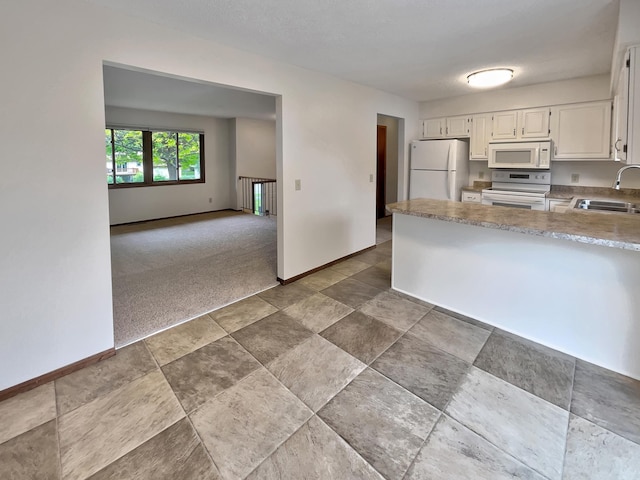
x=457 y=127
x=534 y=123
x=433 y=128
x=581 y=131
x=471 y=197
x=505 y=125
x=480 y=135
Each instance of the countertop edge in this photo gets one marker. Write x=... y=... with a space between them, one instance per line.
x=581 y=238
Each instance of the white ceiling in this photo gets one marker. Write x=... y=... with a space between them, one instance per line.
x=419 y=49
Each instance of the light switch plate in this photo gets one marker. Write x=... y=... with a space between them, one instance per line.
x=298 y=184
x=371 y=178
x=575 y=177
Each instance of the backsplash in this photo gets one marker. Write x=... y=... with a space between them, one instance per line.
x=589 y=173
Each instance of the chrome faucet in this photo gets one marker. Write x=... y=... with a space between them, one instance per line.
x=616 y=183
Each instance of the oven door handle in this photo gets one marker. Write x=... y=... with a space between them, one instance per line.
x=505 y=199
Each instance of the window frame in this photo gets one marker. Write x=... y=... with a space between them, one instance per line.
x=147 y=158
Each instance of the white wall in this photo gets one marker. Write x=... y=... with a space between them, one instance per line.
x=591 y=173
x=391 y=182
x=577 y=90
x=255 y=145
x=144 y=203
x=55 y=269
x=254 y=151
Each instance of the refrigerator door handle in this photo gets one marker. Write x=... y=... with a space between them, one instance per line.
x=450 y=187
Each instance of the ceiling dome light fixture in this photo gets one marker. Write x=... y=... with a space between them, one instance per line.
x=490 y=78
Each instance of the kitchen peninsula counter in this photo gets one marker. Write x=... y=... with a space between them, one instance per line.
x=606 y=229
x=566 y=280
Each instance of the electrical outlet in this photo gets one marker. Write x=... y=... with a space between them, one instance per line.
x=575 y=178
x=210 y=200
x=371 y=178
x=481 y=175
x=298 y=185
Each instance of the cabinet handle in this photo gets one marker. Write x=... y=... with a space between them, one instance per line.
x=522 y=130
x=615 y=145
x=555 y=150
x=447 y=131
x=514 y=132
x=440 y=130
x=485 y=151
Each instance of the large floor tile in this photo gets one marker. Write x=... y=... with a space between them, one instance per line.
x=175 y=453
x=322 y=279
x=530 y=429
x=349 y=267
x=385 y=423
x=594 y=453
x=533 y=367
x=201 y=375
x=243 y=425
x=385 y=265
x=454 y=452
x=27 y=410
x=31 y=455
x=394 y=311
x=373 y=257
x=451 y=335
x=99 y=432
x=315 y=370
x=82 y=386
x=314 y=452
x=318 y=312
x=351 y=292
x=423 y=369
x=176 y=342
x=375 y=276
x=362 y=336
x=272 y=336
x=607 y=399
x=411 y=298
x=284 y=295
x=242 y=313
x=464 y=318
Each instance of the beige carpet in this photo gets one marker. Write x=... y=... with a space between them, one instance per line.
x=168 y=271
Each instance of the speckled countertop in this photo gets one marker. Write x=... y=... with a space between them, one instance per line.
x=606 y=229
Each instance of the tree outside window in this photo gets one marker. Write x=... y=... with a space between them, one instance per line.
x=153 y=158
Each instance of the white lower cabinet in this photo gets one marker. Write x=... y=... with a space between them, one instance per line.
x=471 y=197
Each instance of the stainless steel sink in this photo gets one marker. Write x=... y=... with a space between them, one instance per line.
x=607 y=206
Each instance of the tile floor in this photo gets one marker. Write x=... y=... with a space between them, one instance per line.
x=332 y=377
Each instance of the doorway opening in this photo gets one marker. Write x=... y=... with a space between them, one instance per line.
x=182 y=250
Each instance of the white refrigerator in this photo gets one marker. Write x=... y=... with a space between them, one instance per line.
x=439 y=169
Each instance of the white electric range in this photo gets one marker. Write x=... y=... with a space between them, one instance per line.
x=518 y=189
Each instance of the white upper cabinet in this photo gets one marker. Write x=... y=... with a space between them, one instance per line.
x=626 y=124
x=581 y=131
x=505 y=125
x=620 y=115
x=521 y=124
x=457 y=127
x=534 y=123
x=433 y=128
x=449 y=127
x=480 y=133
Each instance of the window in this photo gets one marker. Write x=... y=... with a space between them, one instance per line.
x=143 y=158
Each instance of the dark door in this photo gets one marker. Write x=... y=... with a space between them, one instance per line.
x=381 y=171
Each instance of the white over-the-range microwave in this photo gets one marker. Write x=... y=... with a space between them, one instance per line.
x=520 y=155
